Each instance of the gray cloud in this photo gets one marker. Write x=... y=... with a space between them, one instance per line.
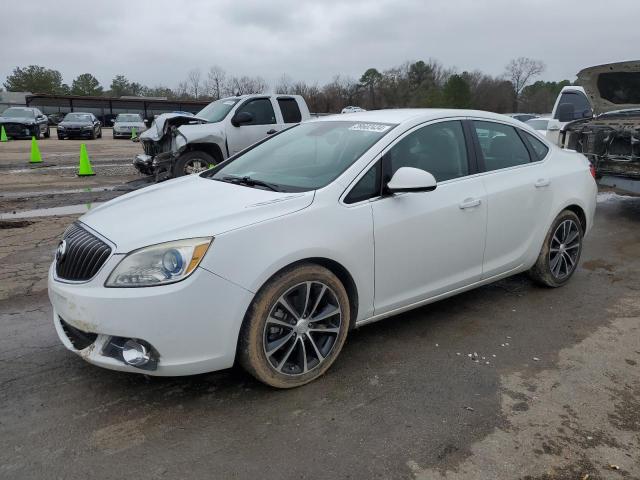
x=158 y=42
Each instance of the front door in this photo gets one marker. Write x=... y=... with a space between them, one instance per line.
x=262 y=125
x=428 y=243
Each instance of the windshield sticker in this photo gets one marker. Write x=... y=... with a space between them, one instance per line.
x=370 y=127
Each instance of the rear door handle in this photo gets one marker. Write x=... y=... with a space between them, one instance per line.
x=271 y=132
x=470 y=203
x=542 y=182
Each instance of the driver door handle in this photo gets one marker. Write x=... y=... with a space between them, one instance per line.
x=470 y=203
x=271 y=132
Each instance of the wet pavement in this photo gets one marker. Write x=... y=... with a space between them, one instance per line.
x=555 y=393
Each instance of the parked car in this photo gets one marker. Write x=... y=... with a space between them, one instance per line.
x=571 y=97
x=54 y=119
x=124 y=124
x=606 y=127
x=24 y=122
x=539 y=124
x=274 y=255
x=352 y=109
x=177 y=144
x=523 y=117
x=79 y=125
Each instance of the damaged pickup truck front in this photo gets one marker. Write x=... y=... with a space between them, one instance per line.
x=180 y=144
x=611 y=138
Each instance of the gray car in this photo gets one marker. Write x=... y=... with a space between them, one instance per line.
x=124 y=124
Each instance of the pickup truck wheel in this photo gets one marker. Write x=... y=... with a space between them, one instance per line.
x=193 y=162
x=560 y=252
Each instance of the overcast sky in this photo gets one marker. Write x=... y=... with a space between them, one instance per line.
x=157 y=42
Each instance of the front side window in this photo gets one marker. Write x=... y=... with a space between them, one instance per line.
x=579 y=102
x=439 y=149
x=501 y=145
x=305 y=157
x=261 y=110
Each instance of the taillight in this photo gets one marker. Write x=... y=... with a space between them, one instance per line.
x=592 y=169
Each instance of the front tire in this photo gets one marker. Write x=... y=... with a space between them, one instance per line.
x=295 y=327
x=191 y=163
x=560 y=252
x=47 y=134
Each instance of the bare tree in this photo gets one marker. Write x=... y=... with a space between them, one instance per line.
x=182 y=90
x=284 y=84
x=246 y=85
x=520 y=71
x=194 y=83
x=215 y=83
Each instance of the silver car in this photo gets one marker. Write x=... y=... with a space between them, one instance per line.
x=124 y=124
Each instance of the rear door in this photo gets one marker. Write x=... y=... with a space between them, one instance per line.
x=519 y=193
x=264 y=123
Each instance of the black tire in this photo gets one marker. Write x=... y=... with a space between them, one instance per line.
x=315 y=341
x=93 y=134
x=47 y=134
x=60 y=137
x=196 y=159
x=37 y=133
x=558 y=261
x=99 y=132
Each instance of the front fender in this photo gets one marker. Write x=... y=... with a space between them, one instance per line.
x=191 y=134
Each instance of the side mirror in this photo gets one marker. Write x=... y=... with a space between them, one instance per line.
x=146 y=121
x=588 y=113
x=566 y=112
x=409 y=179
x=241 y=118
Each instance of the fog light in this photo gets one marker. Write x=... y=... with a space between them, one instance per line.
x=135 y=354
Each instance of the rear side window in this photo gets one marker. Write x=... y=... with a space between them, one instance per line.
x=501 y=146
x=262 y=111
x=579 y=102
x=367 y=187
x=539 y=149
x=290 y=110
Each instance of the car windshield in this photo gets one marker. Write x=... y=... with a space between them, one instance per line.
x=216 y=111
x=128 y=117
x=538 y=123
x=19 y=113
x=305 y=157
x=77 y=117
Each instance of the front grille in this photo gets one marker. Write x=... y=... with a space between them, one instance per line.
x=78 y=338
x=17 y=129
x=80 y=254
x=151 y=148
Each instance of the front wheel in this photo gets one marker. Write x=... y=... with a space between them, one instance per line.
x=561 y=251
x=99 y=132
x=193 y=162
x=295 y=327
x=47 y=133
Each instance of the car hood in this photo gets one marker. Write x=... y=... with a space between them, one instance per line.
x=24 y=120
x=162 y=122
x=613 y=86
x=75 y=124
x=187 y=207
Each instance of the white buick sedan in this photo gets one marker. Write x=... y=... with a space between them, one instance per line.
x=270 y=258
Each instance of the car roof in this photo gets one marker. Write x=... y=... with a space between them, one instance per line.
x=413 y=115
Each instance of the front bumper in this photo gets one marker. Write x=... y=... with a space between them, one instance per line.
x=75 y=133
x=193 y=325
x=19 y=130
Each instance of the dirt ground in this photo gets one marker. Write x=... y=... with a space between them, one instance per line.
x=555 y=393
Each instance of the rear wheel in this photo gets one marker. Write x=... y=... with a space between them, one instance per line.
x=193 y=162
x=295 y=327
x=561 y=251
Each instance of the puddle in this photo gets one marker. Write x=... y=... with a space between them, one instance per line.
x=50 y=212
x=44 y=193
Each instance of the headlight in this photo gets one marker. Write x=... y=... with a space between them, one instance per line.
x=159 y=264
x=60 y=127
x=87 y=127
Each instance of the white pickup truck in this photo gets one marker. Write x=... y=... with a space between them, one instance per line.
x=179 y=144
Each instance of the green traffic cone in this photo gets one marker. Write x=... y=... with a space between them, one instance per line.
x=35 y=152
x=3 y=135
x=133 y=133
x=85 y=169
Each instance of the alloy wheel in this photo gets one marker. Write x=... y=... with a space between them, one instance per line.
x=302 y=328
x=195 y=165
x=564 y=249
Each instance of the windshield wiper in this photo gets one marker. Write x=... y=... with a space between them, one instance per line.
x=249 y=182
